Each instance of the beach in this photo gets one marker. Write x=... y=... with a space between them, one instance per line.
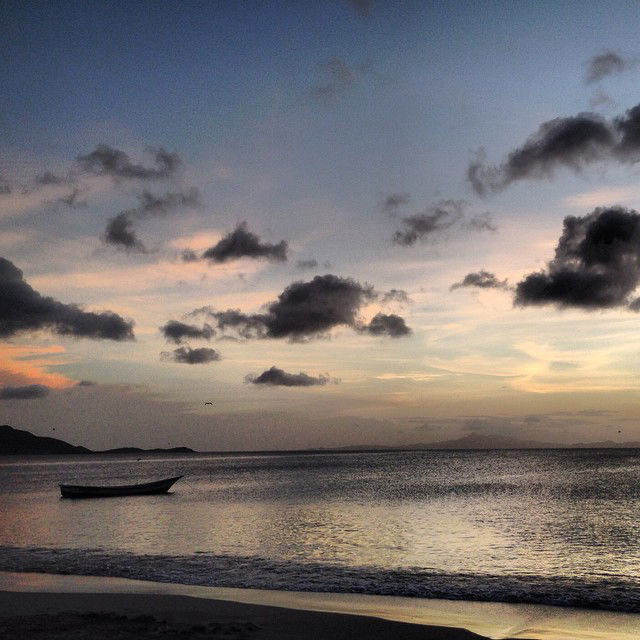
x=46 y=606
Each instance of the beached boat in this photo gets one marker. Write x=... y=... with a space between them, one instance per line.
x=147 y=488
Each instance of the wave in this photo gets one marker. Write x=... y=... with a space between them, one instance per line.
x=611 y=593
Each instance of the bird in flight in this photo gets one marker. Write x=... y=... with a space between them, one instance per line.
x=208 y=402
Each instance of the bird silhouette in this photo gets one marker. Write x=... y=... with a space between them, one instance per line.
x=208 y=403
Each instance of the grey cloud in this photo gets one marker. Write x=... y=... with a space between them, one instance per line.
x=278 y=377
x=187 y=355
x=438 y=218
x=242 y=243
x=605 y=64
x=596 y=264
x=48 y=178
x=107 y=161
x=395 y=295
x=86 y=383
x=24 y=309
x=303 y=310
x=481 y=279
x=176 y=331
x=307 y=264
x=340 y=78
x=189 y=255
x=120 y=229
x=27 y=392
x=72 y=199
x=393 y=202
x=390 y=325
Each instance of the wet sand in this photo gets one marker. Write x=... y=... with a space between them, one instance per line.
x=40 y=606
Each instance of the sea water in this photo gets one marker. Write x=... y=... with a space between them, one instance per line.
x=537 y=526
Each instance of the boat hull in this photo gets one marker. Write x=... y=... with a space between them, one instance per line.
x=148 y=488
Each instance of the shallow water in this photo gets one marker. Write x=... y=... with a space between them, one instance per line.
x=551 y=527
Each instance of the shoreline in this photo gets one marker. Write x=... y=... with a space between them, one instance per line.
x=263 y=614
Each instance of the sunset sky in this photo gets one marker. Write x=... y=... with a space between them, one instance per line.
x=340 y=222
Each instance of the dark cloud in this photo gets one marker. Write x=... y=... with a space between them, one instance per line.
x=27 y=392
x=120 y=232
x=277 y=377
x=120 y=229
x=304 y=310
x=242 y=243
x=393 y=202
x=86 y=383
x=175 y=331
x=187 y=355
x=627 y=127
x=481 y=279
x=596 y=264
x=390 y=325
x=24 y=309
x=605 y=64
x=307 y=264
x=438 y=218
x=107 y=161
x=572 y=142
x=340 y=78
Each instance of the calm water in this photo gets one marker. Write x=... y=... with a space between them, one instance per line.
x=555 y=527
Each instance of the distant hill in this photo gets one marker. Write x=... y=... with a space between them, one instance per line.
x=479 y=441
x=19 y=442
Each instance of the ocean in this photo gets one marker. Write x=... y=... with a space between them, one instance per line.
x=558 y=527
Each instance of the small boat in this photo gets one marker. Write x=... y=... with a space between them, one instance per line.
x=147 y=488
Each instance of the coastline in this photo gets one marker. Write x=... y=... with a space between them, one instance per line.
x=266 y=615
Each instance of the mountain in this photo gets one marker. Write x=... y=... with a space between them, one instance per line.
x=18 y=442
x=479 y=441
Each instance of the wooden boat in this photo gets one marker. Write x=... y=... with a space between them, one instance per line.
x=147 y=488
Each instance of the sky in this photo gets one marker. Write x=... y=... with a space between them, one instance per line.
x=275 y=225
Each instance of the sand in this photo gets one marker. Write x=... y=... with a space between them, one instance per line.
x=38 y=606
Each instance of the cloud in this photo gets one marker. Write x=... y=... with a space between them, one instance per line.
x=390 y=325
x=120 y=229
x=27 y=392
x=572 y=142
x=278 y=378
x=303 y=310
x=363 y=7
x=395 y=295
x=48 y=178
x=86 y=383
x=481 y=279
x=175 y=331
x=438 y=218
x=307 y=264
x=605 y=64
x=596 y=264
x=120 y=232
x=24 y=309
x=189 y=255
x=107 y=161
x=242 y=243
x=187 y=355
x=340 y=78
x=393 y=202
